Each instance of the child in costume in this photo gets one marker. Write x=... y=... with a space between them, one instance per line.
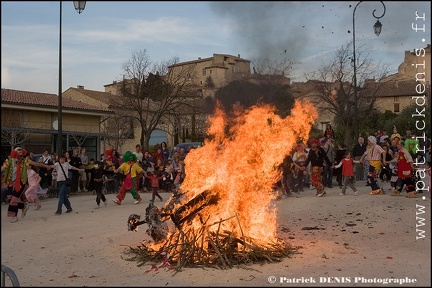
x=131 y=168
x=372 y=180
x=34 y=187
x=15 y=179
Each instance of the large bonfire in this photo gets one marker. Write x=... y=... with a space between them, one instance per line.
x=224 y=214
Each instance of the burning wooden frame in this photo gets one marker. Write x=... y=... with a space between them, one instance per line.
x=227 y=217
x=192 y=247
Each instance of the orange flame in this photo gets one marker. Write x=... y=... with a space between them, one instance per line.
x=241 y=167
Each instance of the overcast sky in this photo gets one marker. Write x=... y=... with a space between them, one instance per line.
x=98 y=41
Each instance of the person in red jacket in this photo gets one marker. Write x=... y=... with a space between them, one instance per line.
x=154 y=182
x=405 y=168
x=347 y=172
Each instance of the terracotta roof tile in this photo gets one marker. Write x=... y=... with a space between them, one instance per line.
x=104 y=97
x=392 y=88
x=44 y=100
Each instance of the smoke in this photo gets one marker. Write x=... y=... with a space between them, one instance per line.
x=309 y=33
x=278 y=30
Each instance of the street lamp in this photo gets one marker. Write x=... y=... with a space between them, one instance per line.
x=79 y=6
x=377 y=29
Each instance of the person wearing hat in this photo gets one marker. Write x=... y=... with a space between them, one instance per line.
x=15 y=179
x=395 y=134
x=376 y=156
x=412 y=145
x=130 y=169
x=316 y=157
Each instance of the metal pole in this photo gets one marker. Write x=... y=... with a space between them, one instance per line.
x=356 y=125
x=60 y=111
x=356 y=120
x=60 y=116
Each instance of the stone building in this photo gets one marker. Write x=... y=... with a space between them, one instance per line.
x=204 y=77
x=411 y=80
x=210 y=74
x=416 y=65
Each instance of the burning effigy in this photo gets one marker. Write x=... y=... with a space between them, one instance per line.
x=224 y=213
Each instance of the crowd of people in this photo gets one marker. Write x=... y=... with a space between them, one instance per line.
x=25 y=181
x=402 y=161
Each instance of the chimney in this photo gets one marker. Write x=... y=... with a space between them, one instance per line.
x=238 y=55
x=80 y=87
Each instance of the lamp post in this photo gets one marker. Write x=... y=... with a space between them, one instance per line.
x=377 y=29
x=79 y=6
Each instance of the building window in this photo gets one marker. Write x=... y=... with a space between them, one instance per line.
x=395 y=99
x=396 y=107
x=203 y=72
x=210 y=72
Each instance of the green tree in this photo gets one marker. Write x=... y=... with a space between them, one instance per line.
x=209 y=83
x=406 y=120
x=377 y=120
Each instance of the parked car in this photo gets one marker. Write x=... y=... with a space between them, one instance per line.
x=36 y=157
x=189 y=145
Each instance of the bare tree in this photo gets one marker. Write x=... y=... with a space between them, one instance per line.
x=14 y=136
x=151 y=92
x=79 y=138
x=117 y=129
x=334 y=91
x=13 y=131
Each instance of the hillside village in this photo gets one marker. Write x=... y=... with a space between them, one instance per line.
x=87 y=112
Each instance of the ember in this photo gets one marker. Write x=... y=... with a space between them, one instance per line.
x=224 y=214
